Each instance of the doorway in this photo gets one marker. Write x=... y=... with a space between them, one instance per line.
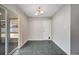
x=2 y=30
x=9 y=33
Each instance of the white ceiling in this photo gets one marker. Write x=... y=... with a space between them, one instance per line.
x=49 y=9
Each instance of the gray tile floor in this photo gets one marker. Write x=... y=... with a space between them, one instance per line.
x=40 y=48
x=2 y=48
x=10 y=47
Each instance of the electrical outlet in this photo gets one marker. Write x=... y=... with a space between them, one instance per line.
x=49 y=37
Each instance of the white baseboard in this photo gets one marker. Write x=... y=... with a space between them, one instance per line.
x=23 y=43
x=16 y=52
x=13 y=51
x=37 y=39
x=61 y=47
x=17 y=49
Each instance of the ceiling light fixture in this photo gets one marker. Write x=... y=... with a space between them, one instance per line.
x=39 y=11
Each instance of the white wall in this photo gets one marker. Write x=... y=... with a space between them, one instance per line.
x=39 y=28
x=61 y=28
x=75 y=29
x=23 y=22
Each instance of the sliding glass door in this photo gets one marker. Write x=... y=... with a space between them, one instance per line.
x=2 y=30
x=8 y=31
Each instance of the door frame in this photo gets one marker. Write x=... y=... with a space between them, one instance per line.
x=6 y=37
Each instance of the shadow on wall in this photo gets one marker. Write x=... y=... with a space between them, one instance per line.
x=75 y=29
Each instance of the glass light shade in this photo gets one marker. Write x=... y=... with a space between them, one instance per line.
x=36 y=13
x=41 y=12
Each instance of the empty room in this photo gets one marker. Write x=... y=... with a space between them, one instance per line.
x=35 y=29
